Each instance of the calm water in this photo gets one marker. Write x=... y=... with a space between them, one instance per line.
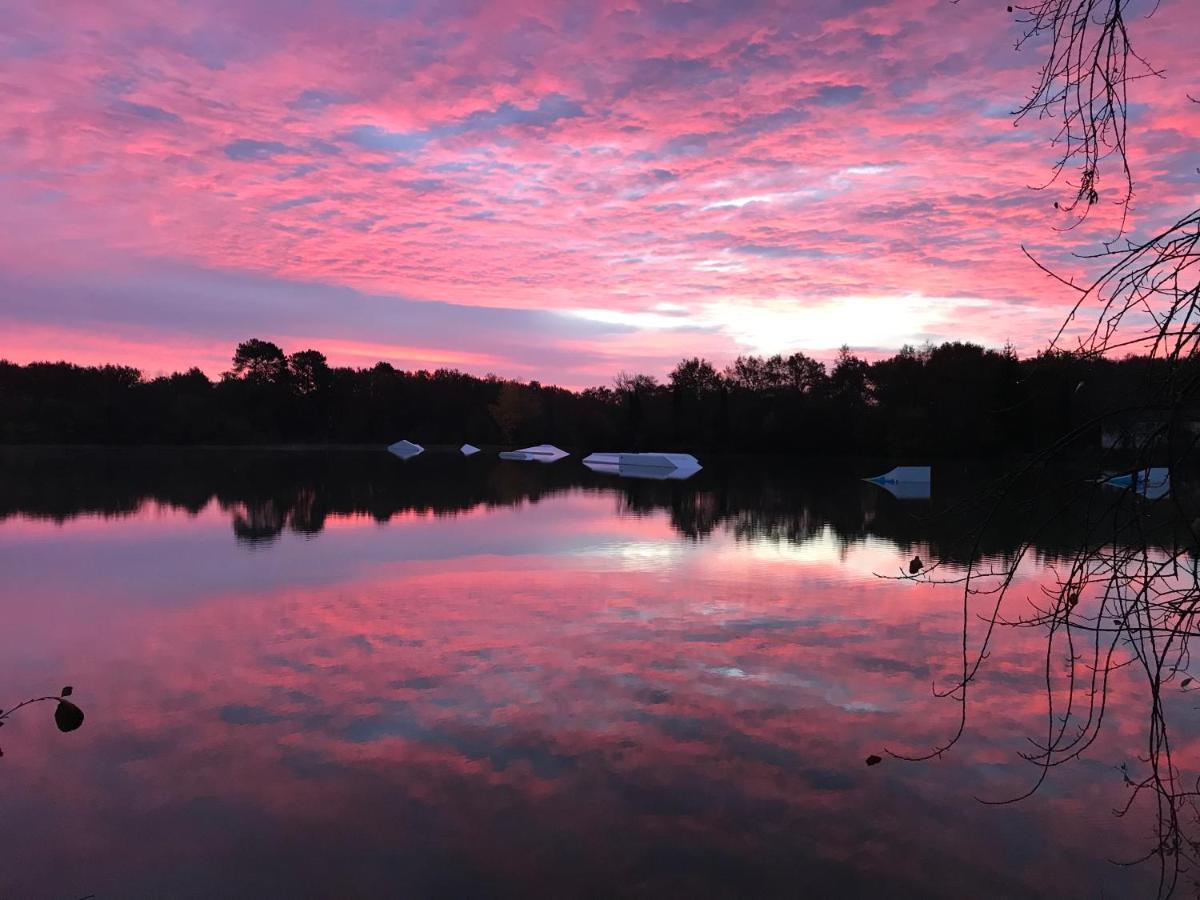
x=344 y=675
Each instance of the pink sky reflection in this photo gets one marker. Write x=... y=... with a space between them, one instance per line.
x=330 y=701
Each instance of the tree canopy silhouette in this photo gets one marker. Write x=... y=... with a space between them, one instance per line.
x=948 y=400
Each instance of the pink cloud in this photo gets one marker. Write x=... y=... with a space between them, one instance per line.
x=544 y=157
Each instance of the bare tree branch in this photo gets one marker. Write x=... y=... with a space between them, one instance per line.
x=1120 y=600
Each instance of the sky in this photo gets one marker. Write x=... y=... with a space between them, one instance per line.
x=543 y=190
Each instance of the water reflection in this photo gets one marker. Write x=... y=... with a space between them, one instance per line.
x=498 y=679
x=265 y=493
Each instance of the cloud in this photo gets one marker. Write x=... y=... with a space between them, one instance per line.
x=314 y=99
x=548 y=111
x=191 y=308
x=245 y=149
x=294 y=202
x=715 y=155
x=754 y=125
x=145 y=111
x=839 y=94
x=779 y=252
x=422 y=185
x=372 y=137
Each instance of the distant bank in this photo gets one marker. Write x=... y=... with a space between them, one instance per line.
x=951 y=401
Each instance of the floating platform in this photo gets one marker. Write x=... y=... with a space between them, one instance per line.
x=658 y=466
x=406 y=449
x=905 y=482
x=1153 y=483
x=544 y=453
x=903 y=475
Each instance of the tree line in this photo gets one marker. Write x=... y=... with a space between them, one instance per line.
x=945 y=400
x=265 y=492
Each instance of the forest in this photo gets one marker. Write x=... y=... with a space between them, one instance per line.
x=266 y=492
x=954 y=399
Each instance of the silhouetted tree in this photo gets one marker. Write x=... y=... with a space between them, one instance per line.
x=259 y=361
x=309 y=370
x=849 y=382
x=515 y=408
x=695 y=379
x=804 y=374
x=954 y=399
x=631 y=383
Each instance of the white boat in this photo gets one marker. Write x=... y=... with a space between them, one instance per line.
x=406 y=449
x=468 y=449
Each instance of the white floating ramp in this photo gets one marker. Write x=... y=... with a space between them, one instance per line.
x=908 y=490
x=903 y=475
x=602 y=459
x=545 y=453
x=1153 y=483
x=406 y=449
x=660 y=460
x=468 y=449
x=905 y=482
x=660 y=466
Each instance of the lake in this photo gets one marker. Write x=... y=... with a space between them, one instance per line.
x=340 y=674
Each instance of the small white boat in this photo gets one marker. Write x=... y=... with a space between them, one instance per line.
x=468 y=449
x=406 y=449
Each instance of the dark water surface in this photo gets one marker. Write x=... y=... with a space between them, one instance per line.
x=342 y=675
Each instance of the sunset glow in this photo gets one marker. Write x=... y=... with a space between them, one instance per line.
x=543 y=190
